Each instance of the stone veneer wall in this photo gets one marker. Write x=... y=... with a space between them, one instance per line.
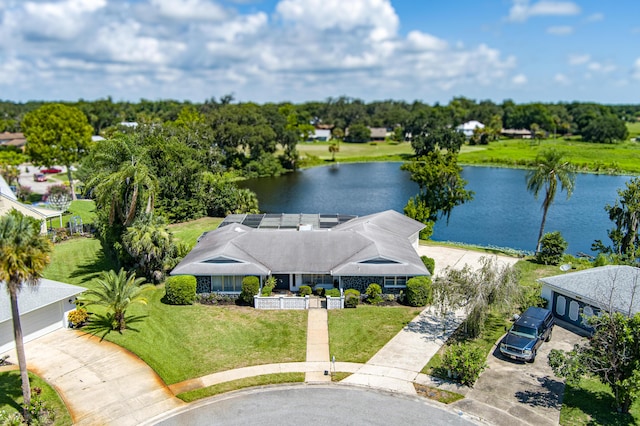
x=203 y=285
x=361 y=283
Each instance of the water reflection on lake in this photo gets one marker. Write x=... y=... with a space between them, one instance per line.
x=502 y=213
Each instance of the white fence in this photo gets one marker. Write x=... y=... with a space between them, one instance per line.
x=335 y=302
x=281 y=302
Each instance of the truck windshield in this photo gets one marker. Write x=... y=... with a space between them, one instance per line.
x=523 y=331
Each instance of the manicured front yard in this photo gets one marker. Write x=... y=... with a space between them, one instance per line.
x=591 y=403
x=355 y=335
x=11 y=396
x=183 y=342
x=266 y=379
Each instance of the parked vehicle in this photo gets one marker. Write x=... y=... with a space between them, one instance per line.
x=51 y=170
x=39 y=177
x=527 y=334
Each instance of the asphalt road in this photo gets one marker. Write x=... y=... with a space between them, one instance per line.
x=315 y=405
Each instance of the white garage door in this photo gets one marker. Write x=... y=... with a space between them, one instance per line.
x=34 y=324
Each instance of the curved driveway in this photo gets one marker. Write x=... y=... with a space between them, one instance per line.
x=317 y=405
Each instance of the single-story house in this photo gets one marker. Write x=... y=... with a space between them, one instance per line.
x=307 y=249
x=575 y=296
x=320 y=135
x=43 y=309
x=13 y=139
x=469 y=127
x=516 y=133
x=379 y=133
x=7 y=203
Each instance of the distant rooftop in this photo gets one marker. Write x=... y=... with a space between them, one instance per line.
x=287 y=220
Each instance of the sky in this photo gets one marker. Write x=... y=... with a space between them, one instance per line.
x=311 y=50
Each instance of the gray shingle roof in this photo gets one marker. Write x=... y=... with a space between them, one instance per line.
x=339 y=251
x=607 y=287
x=32 y=298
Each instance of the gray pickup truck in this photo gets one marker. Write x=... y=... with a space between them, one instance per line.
x=527 y=334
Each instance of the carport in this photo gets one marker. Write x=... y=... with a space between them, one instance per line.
x=575 y=296
x=43 y=309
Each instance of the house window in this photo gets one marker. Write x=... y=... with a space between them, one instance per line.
x=561 y=305
x=230 y=283
x=314 y=279
x=391 y=282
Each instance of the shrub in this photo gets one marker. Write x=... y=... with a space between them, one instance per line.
x=429 y=262
x=305 y=290
x=320 y=291
x=374 y=292
x=334 y=292
x=418 y=292
x=351 y=298
x=552 y=247
x=250 y=287
x=78 y=317
x=180 y=290
x=464 y=363
x=269 y=285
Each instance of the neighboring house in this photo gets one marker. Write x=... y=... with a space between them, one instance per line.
x=299 y=249
x=8 y=201
x=320 y=135
x=378 y=133
x=516 y=133
x=13 y=139
x=43 y=309
x=575 y=296
x=469 y=127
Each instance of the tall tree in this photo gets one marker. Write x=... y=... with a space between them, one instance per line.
x=550 y=169
x=625 y=213
x=57 y=134
x=441 y=186
x=24 y=253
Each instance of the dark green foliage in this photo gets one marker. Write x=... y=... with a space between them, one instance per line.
x=418 y=292
x=351 y=298
x=268 y=286
x=606 y=129
x=429 y=262
x=250 y=288
x=180 y=290
x=333 y=292
x=465 y=363
x=611 y=355
x=552 y=247
x=374 y=294
x=305 y=290
x=319 y=291
x=358 y=133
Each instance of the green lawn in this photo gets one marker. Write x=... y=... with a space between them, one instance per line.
x=634 y=129
x=183 y=342
x=188 y=232
x=11 y=396
x=77 y=261
x=355 y=335
x=86 y=209
x=267 y=379
x=592 y=157
x=591 y=403
x=317 y=153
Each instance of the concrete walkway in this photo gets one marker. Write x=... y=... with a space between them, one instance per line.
x=100 y=382
x=318 y=345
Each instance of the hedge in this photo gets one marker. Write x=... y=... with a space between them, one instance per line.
x=180 y=290
x=250 y=287
x=419 y=291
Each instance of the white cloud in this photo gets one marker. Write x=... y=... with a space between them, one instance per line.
x=519 y=79
x=424 y=41
x=560 y=30
x=636 y=69
x=579 y=59
x=561 y=79
x=189 y=9
x=595 y=17
x=55 y=20
x=521 y=10
x=600 y=67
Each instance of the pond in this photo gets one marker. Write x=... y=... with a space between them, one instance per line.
x=503 y=213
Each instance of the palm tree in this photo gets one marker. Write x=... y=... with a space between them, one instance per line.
x=117 y=291
x=550 y=170
x=151 y=245
x=24 y=253
x=125 y=191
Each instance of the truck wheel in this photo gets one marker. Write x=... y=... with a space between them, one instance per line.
x=548 y=336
